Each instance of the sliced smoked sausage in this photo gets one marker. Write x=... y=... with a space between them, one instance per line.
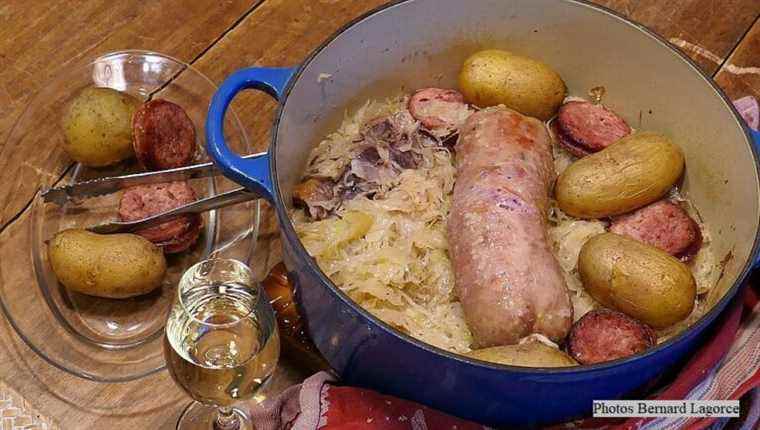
x=584 y=128
x=186 y=239
x=163 y=135
x=662 y=224
x=604 y=335
x=506 y=276
x=440 y=110
x=143 y=201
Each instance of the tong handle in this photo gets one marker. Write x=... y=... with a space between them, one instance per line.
x=229 y=198
x=97 y=187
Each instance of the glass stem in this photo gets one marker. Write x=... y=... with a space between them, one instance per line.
x=226 y=419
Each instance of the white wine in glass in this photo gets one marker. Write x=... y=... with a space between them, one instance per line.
x=221 y=343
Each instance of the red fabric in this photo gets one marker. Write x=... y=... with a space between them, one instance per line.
x=349 y=408
x=751 y=298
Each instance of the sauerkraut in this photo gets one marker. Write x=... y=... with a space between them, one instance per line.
x=399 y=270
x=386 y=248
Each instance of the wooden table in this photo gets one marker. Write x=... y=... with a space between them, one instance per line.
x=218 y=37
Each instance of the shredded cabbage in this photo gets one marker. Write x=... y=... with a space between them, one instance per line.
x=568 y=235
x=399 y=270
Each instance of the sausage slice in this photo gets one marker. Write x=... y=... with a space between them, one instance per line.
x=662 y=224
x=143 y=201
x=185 y=240
x=604 y=335
x=439 y=109
x=163 y=135
x=568 y=143
x=583 y=127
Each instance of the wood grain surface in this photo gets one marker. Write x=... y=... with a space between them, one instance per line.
x=739 y=76
x=37 y=39
x=706 y=30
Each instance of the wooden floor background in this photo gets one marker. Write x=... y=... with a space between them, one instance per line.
x=39 y=38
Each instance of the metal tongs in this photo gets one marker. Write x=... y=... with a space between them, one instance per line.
x=98 y=187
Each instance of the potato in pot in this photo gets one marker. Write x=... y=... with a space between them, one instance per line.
x=529 y=354
x=495 y=77
x=106 y=265
x=637 y=279
x=631 y=173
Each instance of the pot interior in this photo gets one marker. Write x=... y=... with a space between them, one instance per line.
x=422 y=43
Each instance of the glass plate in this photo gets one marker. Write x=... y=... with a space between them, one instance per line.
x=111 y=340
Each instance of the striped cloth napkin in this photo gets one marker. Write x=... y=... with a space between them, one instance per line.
x=747 y=107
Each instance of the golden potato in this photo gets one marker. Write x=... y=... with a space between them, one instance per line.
x=98 y=126
x=637 y=279
x=493 y=77
x=114 y=266
x=632 y=172
x=529 y=354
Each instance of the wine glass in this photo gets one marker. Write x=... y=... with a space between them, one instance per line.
x=221 y=343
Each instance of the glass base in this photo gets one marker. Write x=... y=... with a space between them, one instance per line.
x=198 y=416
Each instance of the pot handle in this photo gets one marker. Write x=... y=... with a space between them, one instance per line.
x=252 y=173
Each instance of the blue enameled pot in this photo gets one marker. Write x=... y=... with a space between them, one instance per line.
x=417 y=43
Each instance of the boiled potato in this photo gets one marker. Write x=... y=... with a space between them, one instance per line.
x=98 y=126
x=494 y=77
x=632 y=172
x=529 y=354
x=106 y=265
x=637 y=279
